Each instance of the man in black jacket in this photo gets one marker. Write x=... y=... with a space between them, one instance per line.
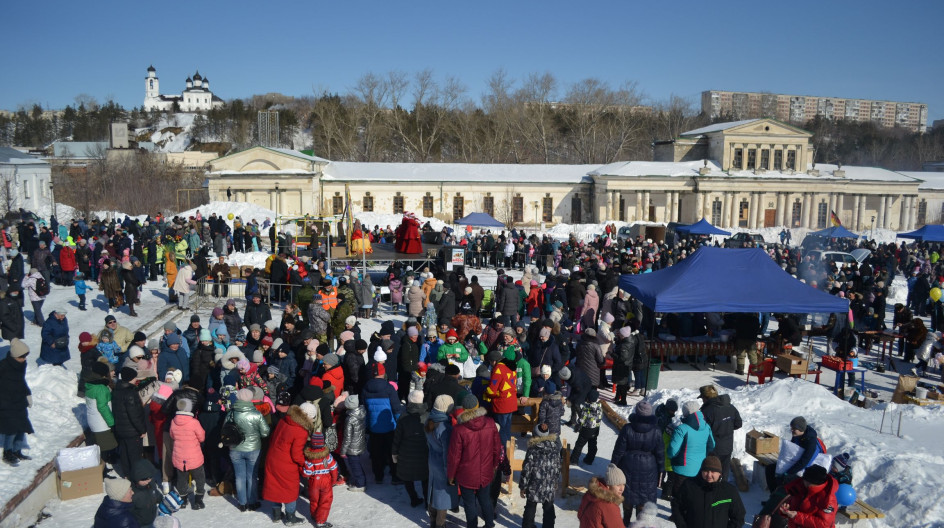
x=147 y=496
x=130 y=422
x=580 y=387
x=706 y=501
x=724 y=419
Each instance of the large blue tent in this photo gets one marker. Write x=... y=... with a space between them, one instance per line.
x=834 y=232
x=728 y=280
x=479 y=220
x=928 y=233
x=701 y=227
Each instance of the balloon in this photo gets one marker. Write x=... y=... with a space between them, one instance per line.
x=845 y=495
x=935 y=294
x=229 y=216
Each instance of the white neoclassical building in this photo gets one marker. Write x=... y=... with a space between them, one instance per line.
x=196 y=96
x=751 y=174
x=25 y=182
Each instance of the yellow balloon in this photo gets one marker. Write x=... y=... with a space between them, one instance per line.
x=935 y=294
x=230 y=216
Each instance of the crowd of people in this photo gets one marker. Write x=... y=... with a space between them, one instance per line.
x=254 y=401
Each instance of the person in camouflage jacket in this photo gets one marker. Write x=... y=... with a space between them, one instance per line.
x=540 y=475
x=588 y=427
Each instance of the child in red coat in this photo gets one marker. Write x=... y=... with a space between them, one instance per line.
x=322 y=473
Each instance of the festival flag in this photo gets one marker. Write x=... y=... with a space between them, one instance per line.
x=834 y=218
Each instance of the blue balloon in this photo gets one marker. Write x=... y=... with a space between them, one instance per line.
x=845 y=495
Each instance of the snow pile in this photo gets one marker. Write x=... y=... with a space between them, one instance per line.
x=53 y=415
x=170 y=141
x=898 y=291
x=893 y=474
x=244 y=210
x=584 y=232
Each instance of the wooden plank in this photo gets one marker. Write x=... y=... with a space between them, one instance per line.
x=861 y=510
x=739 y=475
x=565 y=469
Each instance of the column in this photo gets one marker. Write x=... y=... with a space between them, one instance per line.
x=840 y=199
x=805 y=216
x=863 y=199
x=914 y=213
x=699 y=206
x=880 y=221
x=733 y=212
x=638 y=215
x=854 y=224
x=725 y=211
x=609 y=206
x=903 y=214
x=676 y=197
x=781 y=205
x=752 y=212
x=761 y=209
x=645 y=205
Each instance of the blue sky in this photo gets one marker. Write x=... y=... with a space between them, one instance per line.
x=875 y=49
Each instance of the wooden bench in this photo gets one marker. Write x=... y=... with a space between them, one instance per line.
x=526 y=419
x=861 y=510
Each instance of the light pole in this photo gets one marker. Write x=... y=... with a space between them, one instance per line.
x=872 y=229
x=535 y=214
x=52 y=197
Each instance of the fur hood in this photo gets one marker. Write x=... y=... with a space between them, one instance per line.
x=302 y=419
x=470 y=414
x=315 y=454
x=598 y=489
x=538 y=439
x=556 y=396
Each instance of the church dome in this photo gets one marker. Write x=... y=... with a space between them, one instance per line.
x=151 y=68
x=196 y=76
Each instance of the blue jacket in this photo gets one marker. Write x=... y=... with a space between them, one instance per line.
x=287 y=366
x=383 y=405
x=114 y=514
x=81 y=287
x=168 y=358
x=691 y=442
x=53 y=329
x=809 y=441
x=110 y=350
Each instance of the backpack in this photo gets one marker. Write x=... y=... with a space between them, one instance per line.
x=230 y=434
x=41 y=288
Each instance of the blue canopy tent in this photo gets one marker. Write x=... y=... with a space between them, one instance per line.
x=701 y=227
x=928 y=233
x=835 y=232
x=728 y=280
x=479 y=220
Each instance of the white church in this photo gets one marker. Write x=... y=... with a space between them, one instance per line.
x=196 y=97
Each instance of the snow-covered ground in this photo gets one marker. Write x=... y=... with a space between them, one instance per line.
x=898 y=475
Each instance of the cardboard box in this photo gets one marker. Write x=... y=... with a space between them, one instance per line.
x=80 y=483
x=934 y=395
x=792 y=365
x=759 y=443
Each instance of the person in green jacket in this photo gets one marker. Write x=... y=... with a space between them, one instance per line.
x=511 y=350
x=452 y=350
x=98 y=413
x=245 y=456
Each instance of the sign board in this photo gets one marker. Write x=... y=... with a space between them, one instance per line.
x=458 y=256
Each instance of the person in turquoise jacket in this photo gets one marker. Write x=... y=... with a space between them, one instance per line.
x=691 y=442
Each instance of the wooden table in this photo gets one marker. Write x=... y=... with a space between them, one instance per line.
x=884 y=338
x=861 y=510
x=840 y=381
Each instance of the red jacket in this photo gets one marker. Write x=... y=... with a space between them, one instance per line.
x=815 y=506
x=286 y=457
x=334 y=375
x=67 y=259
x=188 y=434
x=503 y=391
x=474 y=450
x=600 y=507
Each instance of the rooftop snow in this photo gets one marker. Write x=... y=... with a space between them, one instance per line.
x=716 y=127
x=688 y=169
x=457 y=172
x=15 y=157
x=79 y=149
x=930 y=181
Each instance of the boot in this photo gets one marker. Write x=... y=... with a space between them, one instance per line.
x=277 y=514
x=21 y=456
x=10 y=459
x=197 y=503
x=293 y=519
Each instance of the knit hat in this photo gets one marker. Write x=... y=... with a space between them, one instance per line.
x=309 y=409
x=625 y=332
x=255 y=327
x=331 y=360
x=176 y=376
x=18 y=348
x=184 y=405
x=117 y=488
x=316 y=441
x=541 y=430
x=545 y=370
x=711 y=463
x=415 y=396
x=643 y=408
x=134 y=351
x=351 y=320
x=590 y=332
x=172 y=339
x=272 y=324
x=380 y=356
x=217 y=312
x=799 y=424
x=840 y=462
x=270 y=369
x=707 y=392
x=351 y=402
x=169 y=326
x=378 y=370
x=109 y=319
x=470 y=402
x=493 y=357
x=101 y=369
x=412 y=332
x=815 y=475
x=128 y=374
x=205 y=335
x=545 y=332
x=593 y=395
x=451 y=369
x=690 y=407
x=244 y=395
x=386 y=328
x=346 y=335
x=443 y=403
x=194 y=318
x=431 y=332
x=242 y=364
x=614 y=476
x=608 y=318
x=139 y=336
x=564 y=373
x=258 y=356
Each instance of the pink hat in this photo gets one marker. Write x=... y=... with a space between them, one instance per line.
x=243 y=364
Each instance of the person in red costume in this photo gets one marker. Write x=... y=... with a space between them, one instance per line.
x=408 y=235
x=359 y=243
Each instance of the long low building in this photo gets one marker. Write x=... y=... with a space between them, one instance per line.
x=754 y=173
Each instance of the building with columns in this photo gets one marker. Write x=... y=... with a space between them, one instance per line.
x=749 y=174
